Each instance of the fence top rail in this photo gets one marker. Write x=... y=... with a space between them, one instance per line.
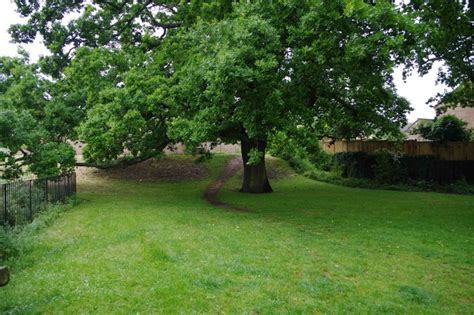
x=452 y=151
x=328 y=140
x=6 y=182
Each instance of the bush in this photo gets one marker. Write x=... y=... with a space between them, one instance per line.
x=300 y=149
x=8 y=247
x=460 y=187
x=14 y=241
x=388 y=167
x=22 y=198
x=354 y=164
x=445 y=128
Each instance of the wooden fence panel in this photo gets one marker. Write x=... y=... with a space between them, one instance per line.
x=451 y=151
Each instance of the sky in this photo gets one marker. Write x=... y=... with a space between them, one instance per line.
x=416 y=89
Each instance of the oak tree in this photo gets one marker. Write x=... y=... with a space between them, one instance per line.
x=138 y=73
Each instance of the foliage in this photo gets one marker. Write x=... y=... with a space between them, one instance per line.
x=17 y=241
x=332 y=249
x=460 y=186
x=226 y=81
x=388 y=168
x=52 y=159
x=222 y=71
x=133 y=76
x=445 y=128
x=444 y=33
x=417 y=184
x=108 y=24
x=28 y=141
x=392 y=171
x=354 y=164
x=341 y=62
x=262 y=99
x=122 y=114
x=300 y=148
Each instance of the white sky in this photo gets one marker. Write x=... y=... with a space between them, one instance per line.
x=416 y=89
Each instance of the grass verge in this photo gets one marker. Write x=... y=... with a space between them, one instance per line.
x=309 y=247
x=15 y=241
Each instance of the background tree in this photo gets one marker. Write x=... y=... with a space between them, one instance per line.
x=27 y=144
x=444 y=34
x=121 y=118
x=445 y=128
x=101 y=61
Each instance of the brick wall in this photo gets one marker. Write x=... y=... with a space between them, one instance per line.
x=464 y=113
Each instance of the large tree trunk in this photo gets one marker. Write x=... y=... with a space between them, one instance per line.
x=255 y=176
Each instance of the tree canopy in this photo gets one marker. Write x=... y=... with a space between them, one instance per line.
x=247 y=76
x=30 y=136
x=133 y=76
x=120 y=111
x=444 y=34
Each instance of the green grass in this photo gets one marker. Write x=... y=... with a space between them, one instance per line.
x=141 y=247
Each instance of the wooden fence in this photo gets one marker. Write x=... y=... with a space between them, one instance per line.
x=451 y=151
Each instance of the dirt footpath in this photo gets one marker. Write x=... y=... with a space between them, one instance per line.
x=210 y=194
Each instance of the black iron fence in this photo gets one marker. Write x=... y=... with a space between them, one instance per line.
x=21 y=201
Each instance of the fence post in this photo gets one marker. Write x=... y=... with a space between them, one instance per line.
x=5 y=209
x=74 y=183
x=58 y=190
x=61 y=188
x=55 y=197
x=68 y=185
x=31 y=200
x=46 y=191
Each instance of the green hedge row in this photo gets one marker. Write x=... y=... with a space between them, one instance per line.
x=389 y=167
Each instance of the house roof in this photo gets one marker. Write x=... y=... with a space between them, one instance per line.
x=410 y=126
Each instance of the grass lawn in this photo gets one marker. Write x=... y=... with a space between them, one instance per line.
x=157 y=247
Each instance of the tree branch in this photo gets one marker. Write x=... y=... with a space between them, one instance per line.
x=123 y=162
x=156 y=23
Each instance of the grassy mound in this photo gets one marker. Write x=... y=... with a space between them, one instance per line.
x=168 y=168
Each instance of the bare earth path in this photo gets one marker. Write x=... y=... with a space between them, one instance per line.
x=210 y=194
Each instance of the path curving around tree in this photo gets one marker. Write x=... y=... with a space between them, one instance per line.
x=210 y=194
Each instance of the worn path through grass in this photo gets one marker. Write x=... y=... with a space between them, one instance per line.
x=159 y=247
x=211 y=191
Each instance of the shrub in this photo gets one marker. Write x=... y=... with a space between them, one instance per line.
x=445 y=128
x=300 y=148
x=354 y=164
x=388 y=168
x=20 y=201
x=384 y=169
x=8 y=248
x=460 y=186
x=14 y=241
x=418 y=167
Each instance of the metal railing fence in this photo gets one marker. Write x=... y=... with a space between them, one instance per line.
x=22 y=200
